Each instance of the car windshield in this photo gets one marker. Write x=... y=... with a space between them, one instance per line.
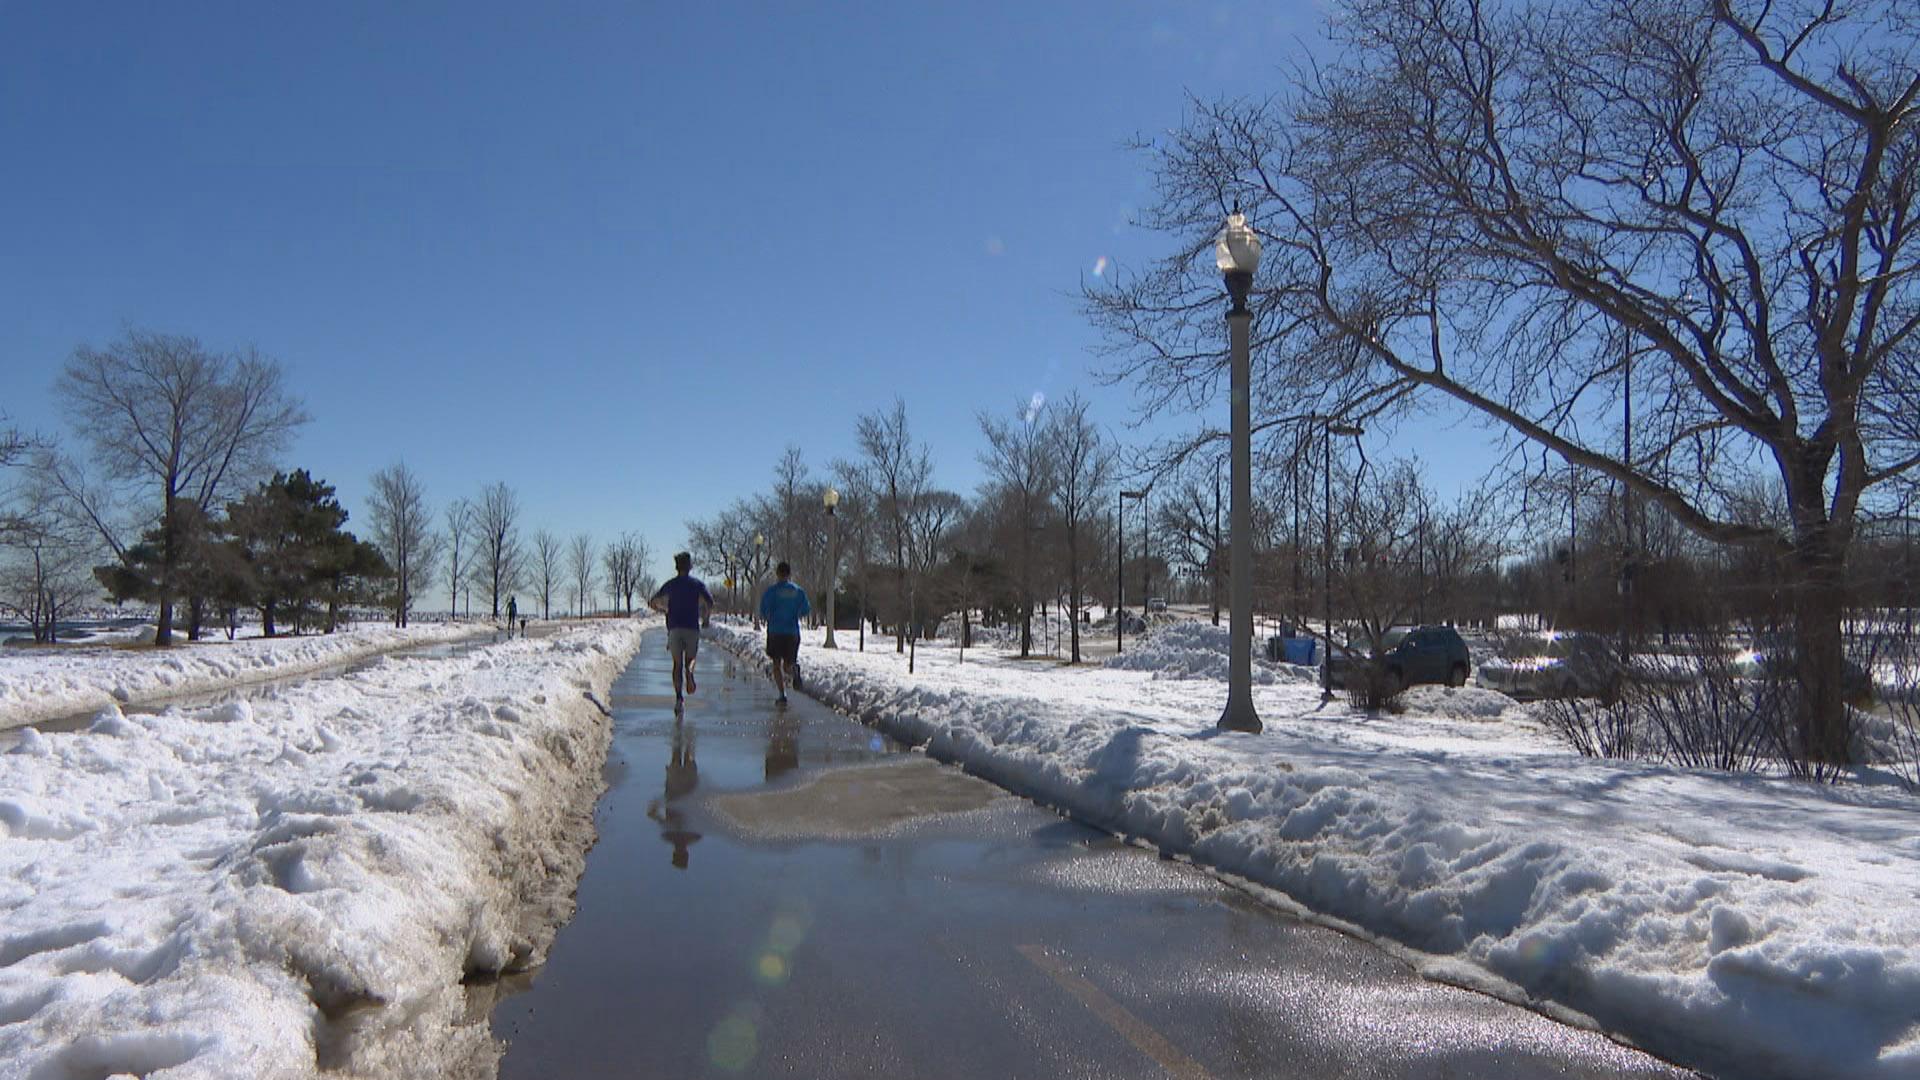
x=1394 y=636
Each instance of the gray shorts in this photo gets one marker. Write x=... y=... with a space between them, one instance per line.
x=683 y=640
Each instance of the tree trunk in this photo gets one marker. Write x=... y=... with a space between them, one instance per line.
x=163 y=628
x=1073 y=584
x=1823 y=724
x=266 y=620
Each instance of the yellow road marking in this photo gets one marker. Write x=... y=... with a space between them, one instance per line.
x=1132 y=1028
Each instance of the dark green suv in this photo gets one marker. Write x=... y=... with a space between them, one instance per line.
x=1413 y=654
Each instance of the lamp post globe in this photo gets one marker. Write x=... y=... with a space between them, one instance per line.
x=1237 y=253
x=830 y=500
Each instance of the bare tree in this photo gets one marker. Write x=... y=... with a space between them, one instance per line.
x=1535 y=213
x=403 y=531
x=46 y=559
x=496 y=534
x=1017 y=459
x=626 y=563
x=177 y=424
x=619 y=568
x=459 y=518
x=1191 y=521
x=896 y=470
x=1083 y=468
x=790 y=486
x=547 y=569
x=580 y=565
x=13 y=451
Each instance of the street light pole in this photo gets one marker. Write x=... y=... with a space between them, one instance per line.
x=831 y=499
x=1120 y=576
x=1237 y=253
x=1146 y=565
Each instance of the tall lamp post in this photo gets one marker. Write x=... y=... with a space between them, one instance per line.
x=1237 y=253
x=1326 y=555
x=830 y=500
x=1120 y=571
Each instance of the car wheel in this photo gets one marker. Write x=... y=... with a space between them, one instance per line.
x=1458 y=676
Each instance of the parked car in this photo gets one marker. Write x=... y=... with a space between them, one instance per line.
x=1553 y=665
x=1774 y=657
x=1157 y=603
x=1410 y=655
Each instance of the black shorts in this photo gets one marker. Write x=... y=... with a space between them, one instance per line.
x=784 y=647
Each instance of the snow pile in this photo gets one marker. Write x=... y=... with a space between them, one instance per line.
x=1193 y=650
x=39 y=684
x=1460 y=703
x=1746 y=926
x=298 y=884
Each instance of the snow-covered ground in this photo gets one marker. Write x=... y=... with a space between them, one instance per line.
x=1747 y=926
x=38 y=684
x=299 y=883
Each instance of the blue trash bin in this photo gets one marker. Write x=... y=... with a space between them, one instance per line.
x=1302 y=650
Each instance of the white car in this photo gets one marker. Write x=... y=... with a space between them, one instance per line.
x=1553 y=665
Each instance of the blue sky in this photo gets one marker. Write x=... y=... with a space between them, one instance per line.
x=618 y=256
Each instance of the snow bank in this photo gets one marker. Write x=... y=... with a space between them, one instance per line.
x=1196 y=650
x=40 y=684
x=298 y=884
x=1746 y=926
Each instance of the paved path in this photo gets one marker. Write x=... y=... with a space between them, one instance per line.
x=780 y=893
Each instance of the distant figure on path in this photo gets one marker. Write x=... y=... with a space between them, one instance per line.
x=685 y=601
x=783 y=605
x=513 y=615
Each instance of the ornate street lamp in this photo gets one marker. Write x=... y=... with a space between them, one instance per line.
x=830 y=500
x=1237 y=253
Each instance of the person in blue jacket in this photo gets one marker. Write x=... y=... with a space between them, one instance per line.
x=783 y=605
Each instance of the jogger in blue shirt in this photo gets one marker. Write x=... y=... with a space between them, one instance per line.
x=783 y=605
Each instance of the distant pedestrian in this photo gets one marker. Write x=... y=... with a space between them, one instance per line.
x=783 y=605
x=513 y=615
x=685 y=601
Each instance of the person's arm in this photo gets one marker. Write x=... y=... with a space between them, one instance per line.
x=657 y=602
x=806 y=606
x=706 y=605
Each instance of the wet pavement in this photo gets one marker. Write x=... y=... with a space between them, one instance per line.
x=784 y=893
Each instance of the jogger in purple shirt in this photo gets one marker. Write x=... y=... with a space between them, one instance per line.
x=685 y=601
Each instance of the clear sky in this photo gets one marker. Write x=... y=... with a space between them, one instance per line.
x=616 y=255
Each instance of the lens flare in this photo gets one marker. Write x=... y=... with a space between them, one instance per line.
x=787 y=932
x=772 y=969
x=735 y=1041
x=1100 y=266
x=1034 y=404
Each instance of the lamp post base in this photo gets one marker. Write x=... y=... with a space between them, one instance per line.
x=1239 y=716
